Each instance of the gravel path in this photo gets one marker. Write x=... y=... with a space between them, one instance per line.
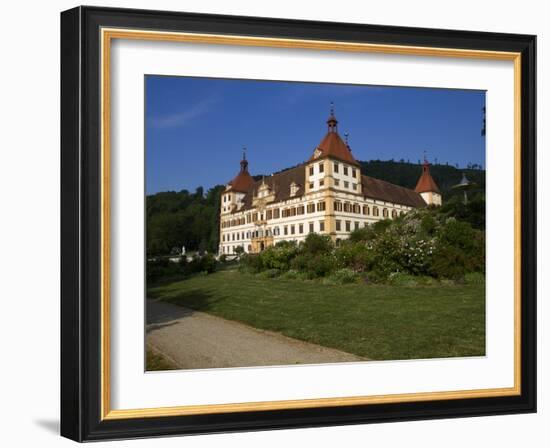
x=196 y=340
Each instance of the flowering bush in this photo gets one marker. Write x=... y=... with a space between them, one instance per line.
x=414 y=248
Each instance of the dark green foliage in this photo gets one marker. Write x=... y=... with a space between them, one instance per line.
x=424 y=243
x=407 y=175
x=162 y=269
x=206 y=263
x=316 y=244
x=176 y=219
x=472 y=212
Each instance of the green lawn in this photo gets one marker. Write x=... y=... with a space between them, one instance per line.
x=155 y=361
x=373 y=321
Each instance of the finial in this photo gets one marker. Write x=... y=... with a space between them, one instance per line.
x=244 y=152
x=346 y=135
x=332 y=108
x=425 y=157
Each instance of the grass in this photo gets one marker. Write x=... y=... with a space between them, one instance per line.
x=155 y=361
x=374 y=321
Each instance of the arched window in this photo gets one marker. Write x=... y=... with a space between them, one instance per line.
x=375 y=211
x=394 y=214
x=366 y=210
x=385 y=213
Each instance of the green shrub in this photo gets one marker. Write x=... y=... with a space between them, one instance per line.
x=250 y=263
x=344 y=276
x=270 y=273
x=278 y=256
x=320 y=265
x=402 y=279
x=375 y=277
x=223 y=258
x=448 y=262
x=316 y=244
x=354 y=255
x=474 y=278
x=160 y=269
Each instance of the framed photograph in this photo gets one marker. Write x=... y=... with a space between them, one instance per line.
x=276 y=224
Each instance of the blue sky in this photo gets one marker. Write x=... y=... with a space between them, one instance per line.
x=196 y=127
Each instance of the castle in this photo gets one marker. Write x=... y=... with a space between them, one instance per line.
x=326 y=194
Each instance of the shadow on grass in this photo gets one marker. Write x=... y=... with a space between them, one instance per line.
x=161 y=312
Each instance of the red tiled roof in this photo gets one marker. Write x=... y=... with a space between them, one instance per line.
x=278 y=183
x=426 y=182
x=333 y=146
x=386 y=191
x=243 y=181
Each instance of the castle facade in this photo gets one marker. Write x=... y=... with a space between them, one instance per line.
x=326 y=194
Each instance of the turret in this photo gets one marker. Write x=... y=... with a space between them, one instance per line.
x=426 y=186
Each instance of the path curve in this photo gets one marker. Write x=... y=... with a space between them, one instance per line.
x=195 y=340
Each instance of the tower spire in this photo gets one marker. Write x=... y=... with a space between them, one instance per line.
x=332 y=122
x=244 y=162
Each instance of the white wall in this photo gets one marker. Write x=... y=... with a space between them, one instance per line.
x=29 y=181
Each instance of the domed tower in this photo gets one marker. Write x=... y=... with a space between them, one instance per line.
x=332 y=165
x=237 y=188
x=426 y=186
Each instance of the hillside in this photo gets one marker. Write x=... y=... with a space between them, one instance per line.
x=407 y=174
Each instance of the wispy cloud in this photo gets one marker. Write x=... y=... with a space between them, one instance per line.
x=184 y=117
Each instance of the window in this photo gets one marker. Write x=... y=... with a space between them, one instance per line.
x=311 y=227
x=321 y=226
x=311 y=171
x=242 y=236
x=348 y=226
x=337 y=182
x=293 y=211
x=321 y=167
x=232 y=237
x=353 y=172
x=310 y=208
x=223 y=237
x=346 y=184
x=366 y=210
x=356 y=208
x=337 y=206
x=292 y=229
x=311 y=186
x=385 y=213
x=249 y=248
x=375 y=211
x=336 y=167
x=300 y=228
x=347 y=207
x=321 y=182
x=269 y=214
x=321 y=206
x=255 y=217
x=394 y=213
x=276 y=213
x=286 y=230
x=338 y=225
x=356 y=225
x=354 y=186
x=345 y=171
x=276 y=231
x=300 y=210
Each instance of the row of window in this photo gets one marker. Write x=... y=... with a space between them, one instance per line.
x=336 y=184
x=321 y=169
x=292 y=229
x=311 y=208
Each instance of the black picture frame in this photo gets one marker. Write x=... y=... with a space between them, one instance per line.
x=81 y=224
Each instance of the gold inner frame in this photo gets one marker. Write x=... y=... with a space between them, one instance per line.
x=107 y=35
